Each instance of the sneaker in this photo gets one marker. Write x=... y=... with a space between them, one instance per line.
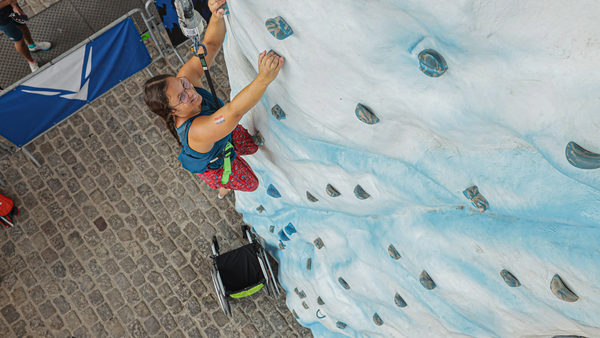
x=34 y=67
x=41 y=46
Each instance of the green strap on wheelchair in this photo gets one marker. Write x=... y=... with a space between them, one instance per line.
x=226 y=163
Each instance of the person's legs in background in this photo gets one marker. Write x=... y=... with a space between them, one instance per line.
x=33 y=47
x=24 y=44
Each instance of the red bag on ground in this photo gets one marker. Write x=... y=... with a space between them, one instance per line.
x=7 y=211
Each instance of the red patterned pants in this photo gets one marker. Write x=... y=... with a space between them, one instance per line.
x=242 y=177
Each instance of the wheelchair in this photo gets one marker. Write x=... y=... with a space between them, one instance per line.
x=241 y=272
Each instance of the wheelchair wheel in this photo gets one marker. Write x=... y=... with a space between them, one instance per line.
x=215 y=246
x=223 y=301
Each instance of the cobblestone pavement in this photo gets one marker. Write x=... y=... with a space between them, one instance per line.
x=32 y=7
x=113 y=236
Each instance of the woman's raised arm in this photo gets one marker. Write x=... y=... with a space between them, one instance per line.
x=213 y=40
x=205 y=130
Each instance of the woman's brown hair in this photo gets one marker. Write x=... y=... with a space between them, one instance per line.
x=155 y=96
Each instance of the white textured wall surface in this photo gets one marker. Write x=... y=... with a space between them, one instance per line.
x=522 y=82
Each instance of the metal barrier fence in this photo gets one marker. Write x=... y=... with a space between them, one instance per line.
x=7 y=150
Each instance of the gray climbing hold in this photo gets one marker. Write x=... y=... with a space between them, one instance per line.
x=310 y=197
x=360 y=193
x=320 y=301
x=473 y=194
x=561 y=291
x=300 y=294
x=283 y=236
x=340 y=325
x=290 y=229
x=426 y=281
x=365 y=114
x=393 y=252
x=274 y=52
x=378 y=321
x=319 y=243
x=272 y=191
x=278 y=113
x=258 y=139
x=399 y=301
x=260 y=208
x=271 y=228
x=295 y=314
x=279 y=28
x=225 y=7
x=308 y=264
x=305 y=305
x=432 y=63
x=331 y=191
x=281 y=245
x=343 y=283
x=581 y=158
x=510 y=280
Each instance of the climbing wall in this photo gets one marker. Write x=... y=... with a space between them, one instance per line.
x=429 y=168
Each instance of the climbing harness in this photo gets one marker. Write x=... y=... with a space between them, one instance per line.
x=228 y=150
x=189 y=16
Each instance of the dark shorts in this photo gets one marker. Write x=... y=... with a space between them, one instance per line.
x=12 y=31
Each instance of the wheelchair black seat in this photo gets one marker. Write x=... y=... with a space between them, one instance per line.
x=240 y=270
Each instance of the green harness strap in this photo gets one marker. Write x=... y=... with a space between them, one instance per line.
x=226 y=163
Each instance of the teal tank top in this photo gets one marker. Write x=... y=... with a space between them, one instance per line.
x=192 y=160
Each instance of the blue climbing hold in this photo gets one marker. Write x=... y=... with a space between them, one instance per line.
x=310 y=197
x=290 y=229
x=343 y=283
x=271 y=228
x=473 y=194
x=260 y=208
x=272 y=191
x=561 y=291
x=283 y=236
x=308 y=264
x=399 y=301
x=225 y=7
x=305 y=305
x=279 y=28
x=258 y=139
x=317 y=314
x=320 y=301
x=432 y=63
x=281 y=245
x=393 y=252
x=510 y=280
x=331 y=191
x=426 y=281
x=319 y=243
x=365 y=114
x=360 y=193
x=278 y=113
x=295 y=314
x=581 y=158
x=340 y=325
x=378 y=321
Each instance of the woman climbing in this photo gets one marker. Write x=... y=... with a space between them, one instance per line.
x=206 y=135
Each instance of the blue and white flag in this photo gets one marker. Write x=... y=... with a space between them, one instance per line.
x=63 y=88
